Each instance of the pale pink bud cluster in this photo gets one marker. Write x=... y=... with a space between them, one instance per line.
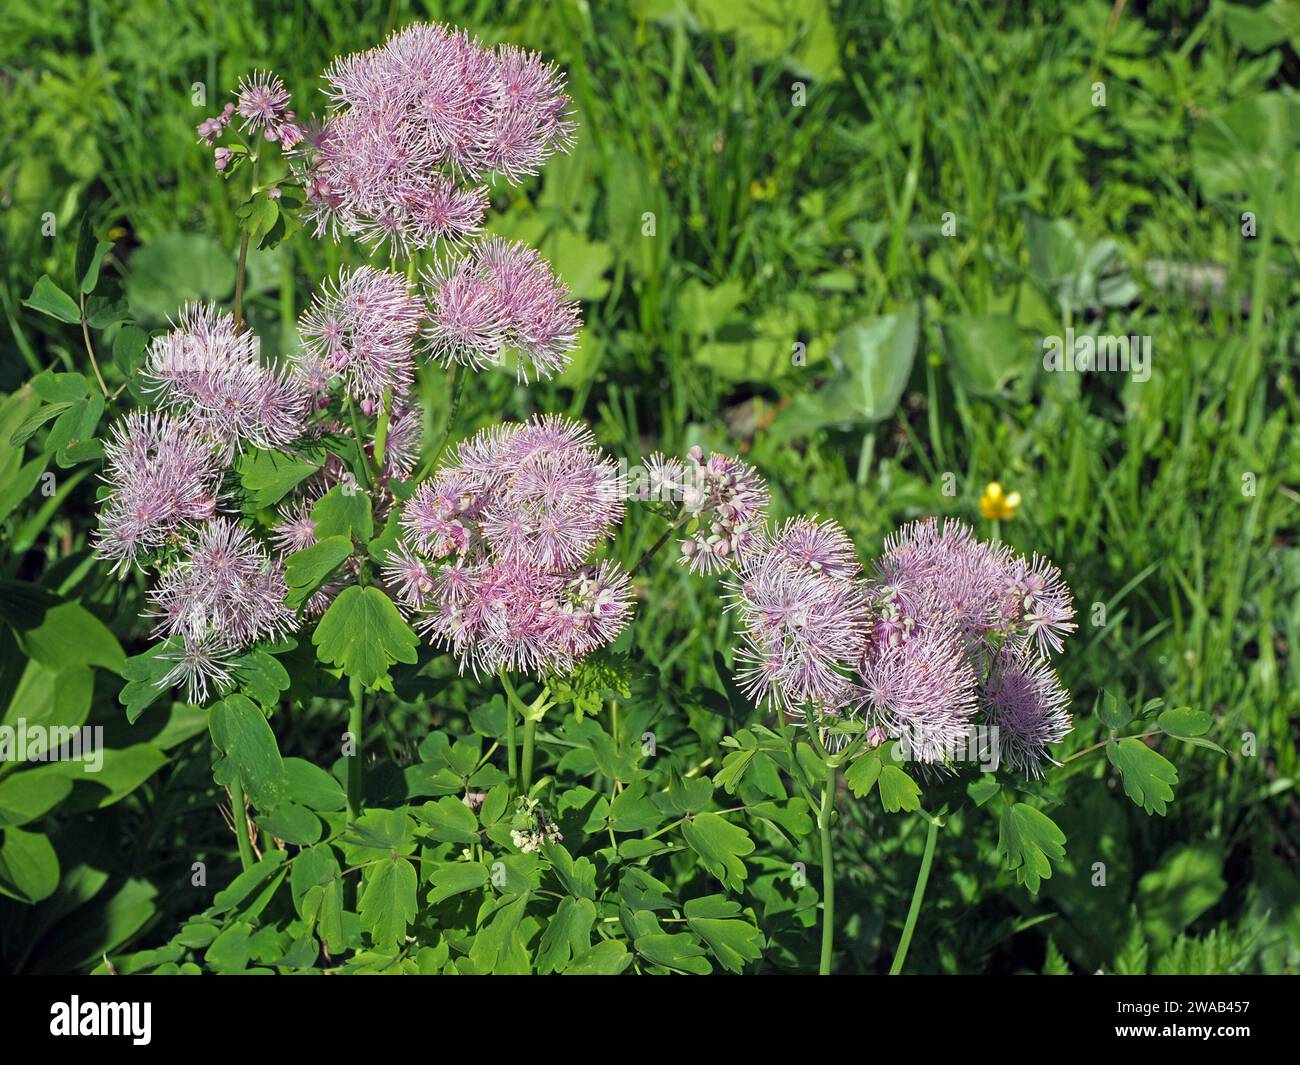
x=412 y=118
x=497 y=561
x=723 y=501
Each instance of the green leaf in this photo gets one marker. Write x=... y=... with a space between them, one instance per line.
x=176 y=269
x=69 y=635
x=28 y=795
x=363 y=634
x=129 y=347
x=90 y=253
x=455 y=878
x=681 y=951
x=267 y=476
x=388 y=904
x=29 y=867
x=260 y=676
x=248 y=881
x=1149 y=777
x=343 y=511
x=898 y=791
x=1184 y=723
x=1029 y=842
x=241 y=733
x=863 y=772
x=144 y=674
x=60 y=387
x=306 y=570
x=607 y=958
x=49 y=299
x=308 y=784
x=987 y=352
x=1114 y=711
x=292 y=823
x=567 y=934
x=449 y=820
x=720 y=845
x=732 y=940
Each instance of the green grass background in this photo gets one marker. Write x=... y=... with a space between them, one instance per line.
x=1172 y=503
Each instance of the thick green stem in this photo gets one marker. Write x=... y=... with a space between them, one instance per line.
x=512 y=761
x=354 y=763
x=240 y=818
x=922 y=878
x=828 y=870
x=530 y=734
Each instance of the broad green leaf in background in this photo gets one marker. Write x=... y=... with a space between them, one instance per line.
x=988 y=352
x=874 y=359
x=176 y=269
x=1187 y=882
x=69 y=635
x=29 y=867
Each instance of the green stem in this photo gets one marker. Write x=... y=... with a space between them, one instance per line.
x=922 y=878
x=354 y=763
x=458 y=376
x=828 y=870
x=243 y=251
x=356 y=436
x=512 y=762
x=381 y=430
x=530 y=733
x=667 y=534
x=90 y=348
x=240 y=818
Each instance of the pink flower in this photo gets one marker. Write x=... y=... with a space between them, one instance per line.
x=359 y=333
x=160 y=478
x=410 y=119
x=207 y=371
x=262 y=101
x=502 y=296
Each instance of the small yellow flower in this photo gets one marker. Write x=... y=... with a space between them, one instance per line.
x=996 y=505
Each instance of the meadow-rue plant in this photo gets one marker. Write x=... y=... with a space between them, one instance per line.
x=322 y=571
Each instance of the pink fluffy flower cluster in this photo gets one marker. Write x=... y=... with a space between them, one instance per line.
x=417 y=117
x=364 y=331
x=220 y=587
x=947 y=632
x=497 y=559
